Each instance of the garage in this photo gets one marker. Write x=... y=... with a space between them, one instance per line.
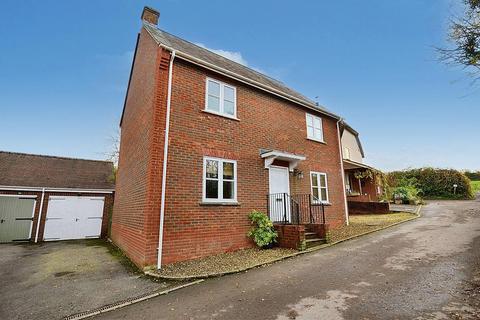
x=73 y=218
x=49 y=198
x=16 y=217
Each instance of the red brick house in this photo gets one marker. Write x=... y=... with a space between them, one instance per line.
x=204 y=141
x=361 y=187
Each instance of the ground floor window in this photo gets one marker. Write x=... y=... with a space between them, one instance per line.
x=219 y=180
x=319 y=186
x=348 y=186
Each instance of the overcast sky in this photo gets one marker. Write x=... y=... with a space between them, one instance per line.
x=64 y=69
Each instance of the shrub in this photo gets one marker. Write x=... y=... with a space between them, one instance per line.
x=262 y=233
x=406 y=194
x=406 y=189
x=473 y=175
x=434 y=183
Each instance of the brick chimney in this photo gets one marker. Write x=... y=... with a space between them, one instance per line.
x=150 y=15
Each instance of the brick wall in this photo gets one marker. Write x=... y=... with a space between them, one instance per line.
x=290 y=236
x=193 y=229
x=136 y=210
x=358 y=207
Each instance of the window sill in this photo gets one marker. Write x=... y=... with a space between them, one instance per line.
x=315 y=140
x=326 y=204
x=221 y=115
x=226 y=204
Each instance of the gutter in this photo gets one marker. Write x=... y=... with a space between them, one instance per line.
x=243 y=79
x=165 y=161
x=47 y=189
x=342 y=171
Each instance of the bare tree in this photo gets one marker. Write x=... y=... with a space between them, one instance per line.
x=114 y=148
x=465 y=38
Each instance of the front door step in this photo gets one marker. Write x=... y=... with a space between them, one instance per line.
x=314 y=242
x=310 y=235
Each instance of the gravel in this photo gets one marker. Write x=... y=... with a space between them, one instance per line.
x=244 y=259
x=224 y=263
x=367 y=222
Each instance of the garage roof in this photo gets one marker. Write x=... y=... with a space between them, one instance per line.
x=29 y=170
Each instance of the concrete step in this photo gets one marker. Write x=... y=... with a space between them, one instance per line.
x=314 y=242
x=310 y=235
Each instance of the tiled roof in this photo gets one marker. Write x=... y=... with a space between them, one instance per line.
x=28 y=170
x=221 y=62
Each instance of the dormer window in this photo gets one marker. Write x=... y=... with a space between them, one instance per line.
x=314 y=128
x=221 y=98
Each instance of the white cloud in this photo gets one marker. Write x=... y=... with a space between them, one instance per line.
x=231 y=55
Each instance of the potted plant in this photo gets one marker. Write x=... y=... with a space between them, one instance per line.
x=263 y=232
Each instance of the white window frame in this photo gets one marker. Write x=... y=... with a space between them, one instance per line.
x=346 y=153
x=319 y=139
x=348 y=186
x=318 y=174
x=221 y=112
x=220 y=181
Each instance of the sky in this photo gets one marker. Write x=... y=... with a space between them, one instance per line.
x=64 y=68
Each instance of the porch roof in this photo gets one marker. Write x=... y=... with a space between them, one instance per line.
x=350 y=165
x=272 y=155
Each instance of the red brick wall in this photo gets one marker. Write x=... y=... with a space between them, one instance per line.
x=290 y=236
x=136 y=210
x=194 y=230
x=360 y=207
x=107 y=209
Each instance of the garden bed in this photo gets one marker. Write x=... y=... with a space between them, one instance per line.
x=360 y=224
x=242 y=260
x=222 y=263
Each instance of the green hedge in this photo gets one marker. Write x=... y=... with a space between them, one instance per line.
x=473 y=175
x=435 y=183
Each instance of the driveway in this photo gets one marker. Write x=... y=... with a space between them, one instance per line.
x=424 y=269
x=56 y=279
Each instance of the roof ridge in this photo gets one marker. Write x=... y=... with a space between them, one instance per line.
x=236 y=70
x=56 y=157
x=204 y=48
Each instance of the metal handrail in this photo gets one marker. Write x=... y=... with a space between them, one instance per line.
x=295 y=209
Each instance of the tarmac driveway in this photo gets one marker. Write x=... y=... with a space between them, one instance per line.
x=428 y=268
x=57 y=279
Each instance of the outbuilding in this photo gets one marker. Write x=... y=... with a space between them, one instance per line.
x=48 y=198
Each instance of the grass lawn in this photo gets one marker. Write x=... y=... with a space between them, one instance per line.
x=475 y=186
x=367 y=222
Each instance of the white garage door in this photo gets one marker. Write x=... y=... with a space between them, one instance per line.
x=73 y=218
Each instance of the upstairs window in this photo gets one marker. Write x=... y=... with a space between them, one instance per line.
x=346 y=153
x=221 y=98
x=319 y=186
x=219 y=180
x=314 y=128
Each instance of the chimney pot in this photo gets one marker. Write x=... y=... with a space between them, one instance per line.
x=150 y=15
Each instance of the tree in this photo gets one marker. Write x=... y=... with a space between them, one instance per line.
x=465 y=38
x=114 y=148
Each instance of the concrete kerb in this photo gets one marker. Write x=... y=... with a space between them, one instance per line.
x=323 y=246
x=127 y=302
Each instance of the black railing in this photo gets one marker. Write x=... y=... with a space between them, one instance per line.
x=295 y=209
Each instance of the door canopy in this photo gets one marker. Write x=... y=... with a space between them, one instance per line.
x=271 y=155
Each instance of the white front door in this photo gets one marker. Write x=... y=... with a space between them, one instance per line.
x=73 y=218
x=279 y=199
